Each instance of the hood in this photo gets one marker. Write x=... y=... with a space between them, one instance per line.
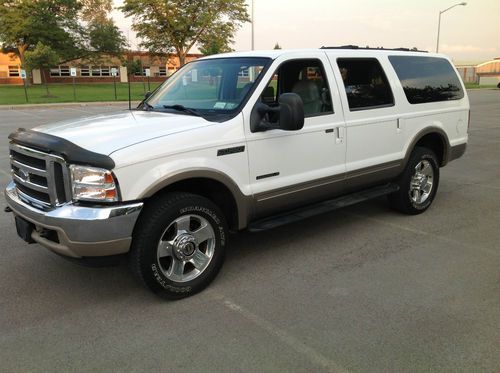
x=109 y=132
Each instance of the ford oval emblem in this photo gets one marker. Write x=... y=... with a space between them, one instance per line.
x=24 y=175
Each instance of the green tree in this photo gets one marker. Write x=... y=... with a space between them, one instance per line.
x=42 y=57
x=178 y=25
x=25 y=23
x=277 y=46
x=96 y=10
x=214 y=46
x=67 y=26
x=104 y=38
x=133 y=67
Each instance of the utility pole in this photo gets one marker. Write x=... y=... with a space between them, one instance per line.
x=253 y=21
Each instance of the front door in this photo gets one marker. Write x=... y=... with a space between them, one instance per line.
x=292 y=168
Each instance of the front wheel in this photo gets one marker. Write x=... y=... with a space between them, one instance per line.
x=418 y=183
x=178 y=245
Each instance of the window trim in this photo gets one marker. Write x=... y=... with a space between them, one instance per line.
x=373 y=107
x=322 y=66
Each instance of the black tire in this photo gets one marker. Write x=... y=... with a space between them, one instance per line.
x=159 y=214
x=402 y=199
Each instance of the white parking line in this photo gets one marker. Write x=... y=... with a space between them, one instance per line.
x=298 y=346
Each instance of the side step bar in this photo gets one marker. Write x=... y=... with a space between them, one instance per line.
x=320 y=208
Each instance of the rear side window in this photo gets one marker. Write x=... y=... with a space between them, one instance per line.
x=427 y=79
x=365 y=83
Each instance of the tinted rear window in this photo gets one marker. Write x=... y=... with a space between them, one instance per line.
x=427 y=79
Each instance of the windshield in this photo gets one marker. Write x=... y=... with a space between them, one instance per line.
x=216 y=85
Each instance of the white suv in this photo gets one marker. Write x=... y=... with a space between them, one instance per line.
x=248 y=140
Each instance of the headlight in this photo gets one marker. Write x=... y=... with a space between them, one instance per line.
x=93 y=184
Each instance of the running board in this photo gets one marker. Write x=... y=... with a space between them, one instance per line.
x=320 y=208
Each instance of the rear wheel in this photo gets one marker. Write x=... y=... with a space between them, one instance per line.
x=178 y=245
x=418 y=183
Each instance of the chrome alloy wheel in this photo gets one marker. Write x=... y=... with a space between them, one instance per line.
x=186 y=248
x=421 y=182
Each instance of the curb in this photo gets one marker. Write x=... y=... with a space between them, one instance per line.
x=483 y=89
x=67 y=104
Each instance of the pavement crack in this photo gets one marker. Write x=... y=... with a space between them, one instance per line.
x=421 y=232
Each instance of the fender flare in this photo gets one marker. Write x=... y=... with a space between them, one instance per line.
x=426 y=131
x=243 y=202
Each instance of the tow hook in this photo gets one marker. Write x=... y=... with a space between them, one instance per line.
x=7 y=209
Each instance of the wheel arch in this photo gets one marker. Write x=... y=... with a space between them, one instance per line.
x=211 y=184
x=433 y=138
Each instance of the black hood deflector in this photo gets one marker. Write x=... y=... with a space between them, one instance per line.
x=71 y=152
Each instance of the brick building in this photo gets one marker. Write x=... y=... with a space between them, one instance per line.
x=160 y=67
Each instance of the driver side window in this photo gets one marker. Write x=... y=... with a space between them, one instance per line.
x=305 y=78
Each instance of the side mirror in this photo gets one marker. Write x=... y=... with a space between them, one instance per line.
x=290 y=114
x=147 y=94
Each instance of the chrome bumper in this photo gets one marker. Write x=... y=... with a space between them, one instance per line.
x=81 y=231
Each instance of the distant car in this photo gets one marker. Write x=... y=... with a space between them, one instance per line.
x=249 y=140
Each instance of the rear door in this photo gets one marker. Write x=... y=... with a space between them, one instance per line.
x=374 y=129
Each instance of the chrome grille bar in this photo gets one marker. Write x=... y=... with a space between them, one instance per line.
x=27 y=183
x=30 y=169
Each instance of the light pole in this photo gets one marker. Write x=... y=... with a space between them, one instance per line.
x=252 y=25
x=439 y=22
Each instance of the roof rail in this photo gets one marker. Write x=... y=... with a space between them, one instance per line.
x=378 y=48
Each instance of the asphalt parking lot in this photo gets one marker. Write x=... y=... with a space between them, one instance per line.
x=363 y=289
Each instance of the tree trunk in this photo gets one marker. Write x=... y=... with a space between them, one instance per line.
x=44 y=81
x=182 y=57
x=21 y=50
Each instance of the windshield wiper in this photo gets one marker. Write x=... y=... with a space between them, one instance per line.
x=148 y=106
x=183 y=109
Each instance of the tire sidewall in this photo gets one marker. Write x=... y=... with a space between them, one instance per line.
x=153 y=229
x=419 y=155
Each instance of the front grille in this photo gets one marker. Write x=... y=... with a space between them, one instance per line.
x=41 y=179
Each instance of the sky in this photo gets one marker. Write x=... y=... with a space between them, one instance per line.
x=469 y=34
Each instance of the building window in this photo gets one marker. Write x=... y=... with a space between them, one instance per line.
x=13 y=70
x=162 y=71
x=64 y=71
x=96 y=71
x=60 y=71
x=84 y=71
x=105 y=71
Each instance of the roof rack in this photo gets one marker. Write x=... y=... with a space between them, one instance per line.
x=378 y=48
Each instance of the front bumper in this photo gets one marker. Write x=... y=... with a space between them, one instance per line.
x=81 y=231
